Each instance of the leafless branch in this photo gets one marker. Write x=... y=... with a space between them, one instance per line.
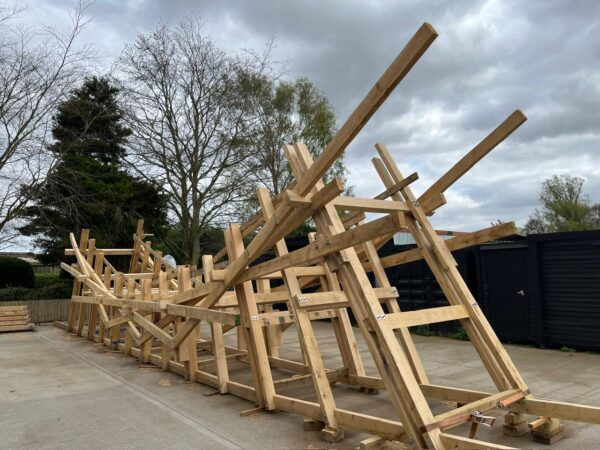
x=38 y=67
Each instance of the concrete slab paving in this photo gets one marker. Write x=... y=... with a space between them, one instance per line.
x=62 y=391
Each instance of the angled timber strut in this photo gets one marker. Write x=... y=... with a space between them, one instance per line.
x=230 y=314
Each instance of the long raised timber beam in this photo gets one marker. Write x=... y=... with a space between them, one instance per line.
x=311 y=253
x=407 y=58
x=491 y=141
x=456 y=243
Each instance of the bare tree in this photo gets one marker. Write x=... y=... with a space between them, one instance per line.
x=38 y=67
x=188 y=107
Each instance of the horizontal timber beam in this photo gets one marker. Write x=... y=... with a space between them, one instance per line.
x=425 y=316
x=456 y=243
x=323 y=246
x=210 y=315
x=315 y=271
x=106 y=251
x=558 y=410
x=368 y=205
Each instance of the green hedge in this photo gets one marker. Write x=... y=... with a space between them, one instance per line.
x=15 y=272
x=48 y=279
x=15 y=293
x=54 y=291
x=49 y=292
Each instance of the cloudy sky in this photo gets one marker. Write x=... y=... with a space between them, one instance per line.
x=491 y=57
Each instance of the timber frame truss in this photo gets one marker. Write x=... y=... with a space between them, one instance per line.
x=154 y=312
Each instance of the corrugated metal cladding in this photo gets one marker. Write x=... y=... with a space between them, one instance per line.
x=570 y=288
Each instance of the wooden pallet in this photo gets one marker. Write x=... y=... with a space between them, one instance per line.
x=154 y=312
x=15 y=318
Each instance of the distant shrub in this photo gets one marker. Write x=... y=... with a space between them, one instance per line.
x=459 y=334
x=422 y=330
x=53 y=292
x=15 y=293
x=567 y=349
x=46 y=279
x=48 y=286
x=15 y=272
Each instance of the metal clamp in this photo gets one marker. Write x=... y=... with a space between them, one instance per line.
x=477 y=417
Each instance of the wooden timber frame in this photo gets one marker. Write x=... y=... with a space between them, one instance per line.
x=154 y=312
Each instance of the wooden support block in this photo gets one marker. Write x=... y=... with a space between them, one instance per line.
x=547 y=430
x=249 y=412
x=379 y=443
x=515 y=424
x=369 y=390
x=332 y=435
x=313 y=425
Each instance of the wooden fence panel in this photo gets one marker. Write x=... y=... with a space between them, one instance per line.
x=43 y=310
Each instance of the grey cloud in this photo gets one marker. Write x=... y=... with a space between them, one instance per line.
x=491 y=57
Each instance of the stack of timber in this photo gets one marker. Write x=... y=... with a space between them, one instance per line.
x=222 y=325
x=15 y=318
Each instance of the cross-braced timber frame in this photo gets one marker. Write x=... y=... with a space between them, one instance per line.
x=154 y=311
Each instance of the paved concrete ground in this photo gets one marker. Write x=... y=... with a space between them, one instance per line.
x=60 y=391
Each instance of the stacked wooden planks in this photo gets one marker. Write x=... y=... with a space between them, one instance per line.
x=15 y=318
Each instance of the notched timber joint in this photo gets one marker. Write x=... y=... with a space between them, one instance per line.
x=503 y=404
